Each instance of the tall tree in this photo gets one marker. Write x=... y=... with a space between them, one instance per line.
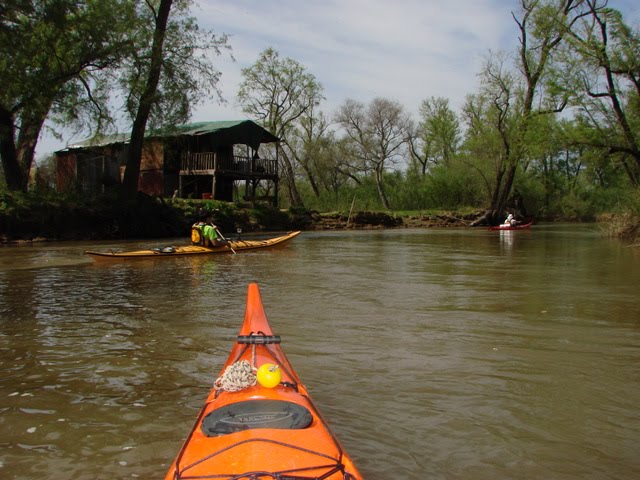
x=438 y=135
x=52 y=56
x=519 y=94
x=601 y=73
x=313 y=147
x=61 y=60
x=487 y=118
x=377 y=136
x=147 y=99
x=168 y=71
x=279 y=92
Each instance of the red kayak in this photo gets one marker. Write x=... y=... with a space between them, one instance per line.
x=259 y=421
x=511 y=227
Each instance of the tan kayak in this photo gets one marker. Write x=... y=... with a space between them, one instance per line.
x=233 y=246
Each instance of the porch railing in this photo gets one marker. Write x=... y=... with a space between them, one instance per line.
x=209 y=162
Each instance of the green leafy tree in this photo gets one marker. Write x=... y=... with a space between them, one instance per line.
x=65 y=61
x=488 y=119
x=554 y=165
x=53 y=55
x=167 y=72
x=146 y=100
x=514 y=95
x=279 y=92
x=600 y=72
x=438 y=135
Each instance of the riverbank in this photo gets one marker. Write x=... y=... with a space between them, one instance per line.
x=113 y=228
x=28 y=220
x=623 y=226
x=375 y=220
x=25 y=218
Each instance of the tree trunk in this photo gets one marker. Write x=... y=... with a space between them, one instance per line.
x=312 y=180
x=148 y=98
x=12 y=173
x=380 y=185
x=503 y=197
x=294 y=196
x=486 y=219
x=31 y=126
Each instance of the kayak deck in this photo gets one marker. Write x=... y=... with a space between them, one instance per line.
x=257 y=432
x=233 y=246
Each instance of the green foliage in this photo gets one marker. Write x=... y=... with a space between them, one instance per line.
x=364 y=193
x=598 y=73
x=451 y=188
x=44 y=176
x=411 y=194
x=633 y=205
x=272 y=218
x=438 y=131
x=621 y=199
x=53 y=55
x=52 y=215
x=188 y=73
x=576 y=207
x=531 y=193
x=443 y=188
x=62 y=61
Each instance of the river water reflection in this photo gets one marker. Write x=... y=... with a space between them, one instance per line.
x=440 y=354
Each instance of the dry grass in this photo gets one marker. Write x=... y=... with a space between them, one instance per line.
x=624 y=226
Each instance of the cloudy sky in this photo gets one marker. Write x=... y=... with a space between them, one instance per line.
x=403 y=50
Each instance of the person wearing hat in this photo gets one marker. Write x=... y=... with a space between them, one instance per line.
x=510 y=220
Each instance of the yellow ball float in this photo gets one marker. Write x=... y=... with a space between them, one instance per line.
x=269 y=375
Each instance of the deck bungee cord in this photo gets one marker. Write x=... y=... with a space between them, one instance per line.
x=290 y=474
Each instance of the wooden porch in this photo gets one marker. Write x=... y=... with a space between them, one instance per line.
x=236 y=166
x=215 y=174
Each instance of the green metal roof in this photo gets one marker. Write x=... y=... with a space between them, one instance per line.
x=202 y=128
x=224 y=132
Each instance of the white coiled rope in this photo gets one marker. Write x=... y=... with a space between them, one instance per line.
x=237 y=376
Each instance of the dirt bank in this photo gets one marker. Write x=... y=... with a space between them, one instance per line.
x=377 y=220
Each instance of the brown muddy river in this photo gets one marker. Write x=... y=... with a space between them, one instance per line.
x=439 y=354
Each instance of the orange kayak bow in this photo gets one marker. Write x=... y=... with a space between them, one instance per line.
x=260 y=423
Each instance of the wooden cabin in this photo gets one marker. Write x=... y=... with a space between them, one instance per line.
x=219 y=160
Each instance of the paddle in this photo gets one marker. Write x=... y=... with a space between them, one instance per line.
x=228 y=242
